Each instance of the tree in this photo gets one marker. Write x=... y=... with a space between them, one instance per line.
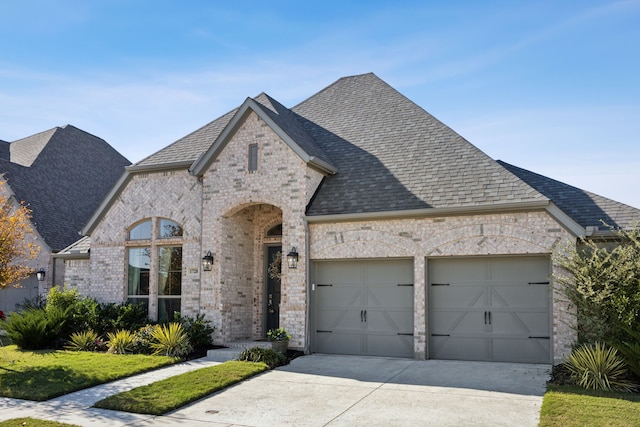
x=602 y=280
x=15 y=247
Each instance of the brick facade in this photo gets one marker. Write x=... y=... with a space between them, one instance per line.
x=229 y=210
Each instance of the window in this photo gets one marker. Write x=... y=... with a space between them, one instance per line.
x=154 y=274
x=253 y=157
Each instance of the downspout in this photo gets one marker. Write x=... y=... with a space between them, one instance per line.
x=307 y=347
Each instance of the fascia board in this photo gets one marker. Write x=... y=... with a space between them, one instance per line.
x=566 y=221
x=429 y=212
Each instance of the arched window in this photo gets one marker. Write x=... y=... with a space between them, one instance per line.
x=275 y=231
x=154 y=275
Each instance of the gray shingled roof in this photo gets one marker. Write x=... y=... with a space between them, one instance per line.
x=585 y=208
x=393 y=155
x=70 y=173
x=190 y=147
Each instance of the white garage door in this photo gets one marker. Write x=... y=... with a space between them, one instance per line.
x=491 y=309
x=363 y=307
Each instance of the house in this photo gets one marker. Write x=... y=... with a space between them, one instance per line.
x=398 y=236
x=62 y=174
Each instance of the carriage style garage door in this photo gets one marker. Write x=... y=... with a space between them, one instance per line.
x=492 y=309
x=363 y=307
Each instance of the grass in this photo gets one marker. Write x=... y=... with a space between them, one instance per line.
x=45 y=374
x=570 y=406
x=33 y=422
x=174 y=392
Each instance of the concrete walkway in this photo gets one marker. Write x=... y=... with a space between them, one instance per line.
x=324 y=390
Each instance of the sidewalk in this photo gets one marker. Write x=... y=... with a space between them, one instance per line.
x=75 y=408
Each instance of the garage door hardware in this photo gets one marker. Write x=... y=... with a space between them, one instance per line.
x=363 y=315
x=400 y=333
x=538 y=283
x=440 y=284
x=440 y=335
x=405 y=284
x=324 y=332
x=487 y=316
x=320 y=284
x=540 y=338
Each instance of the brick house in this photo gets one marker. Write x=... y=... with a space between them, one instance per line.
x=62 y=174
x=410 y=241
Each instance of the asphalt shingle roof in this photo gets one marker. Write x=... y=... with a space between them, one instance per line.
x=69 y=172
x=391 y=155
x=585 y=208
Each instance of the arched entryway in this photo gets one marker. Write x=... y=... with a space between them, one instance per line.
x=250 y=236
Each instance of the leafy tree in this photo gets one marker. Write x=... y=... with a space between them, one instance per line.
x=602 y=280
x=15 y=249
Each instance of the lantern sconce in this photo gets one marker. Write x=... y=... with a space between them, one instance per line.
x=40 y=274
x=207 y=261
x=292 y=258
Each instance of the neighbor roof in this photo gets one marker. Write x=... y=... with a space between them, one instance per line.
x=62 y=175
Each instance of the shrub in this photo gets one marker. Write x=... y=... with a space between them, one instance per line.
x=268 y=356
x=83 y=341
x=80 y=311
x=111 y=317
x=598 y=367
x=120 y=342
x=142 y=339
x=170 y=340
x=198 y=329
x=603 y=283
x=36 y=302
x=35 y=328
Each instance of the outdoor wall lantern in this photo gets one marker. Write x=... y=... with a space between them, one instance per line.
x=292 y=258
x=207 y=261
x=40 y=275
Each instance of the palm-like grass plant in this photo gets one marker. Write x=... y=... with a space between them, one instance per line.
x=599 y=367
x=170 y=340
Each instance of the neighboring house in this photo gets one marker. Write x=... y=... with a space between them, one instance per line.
x=62 y=175
x=410 y=241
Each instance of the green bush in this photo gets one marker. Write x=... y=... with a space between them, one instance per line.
x=111 y=317
x=120 y=342
x=80 y=311
x=142 y=339
x=36 y=328
x=83 y=341
x=170 y=340
x=598 y=367
x=268 y=356
x=198 y=329
x=603 y=282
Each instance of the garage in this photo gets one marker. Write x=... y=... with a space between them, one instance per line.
x=490 y=309
x=11 y=296
x=363 y=307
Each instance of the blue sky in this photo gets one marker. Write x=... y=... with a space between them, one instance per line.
x=550 y=86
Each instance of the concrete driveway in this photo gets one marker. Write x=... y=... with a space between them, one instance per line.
x=324 y=390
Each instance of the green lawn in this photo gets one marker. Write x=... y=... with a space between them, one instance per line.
x=570 y=406
x=45 y=374
x=174 y=392
x=32 y=422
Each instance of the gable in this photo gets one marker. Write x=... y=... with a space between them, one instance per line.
x=281 y=121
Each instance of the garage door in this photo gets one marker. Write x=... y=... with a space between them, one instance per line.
x=491 y=309
x=10 y=296
x=363 y=307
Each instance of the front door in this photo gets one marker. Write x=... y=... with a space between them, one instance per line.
x=274 y=266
